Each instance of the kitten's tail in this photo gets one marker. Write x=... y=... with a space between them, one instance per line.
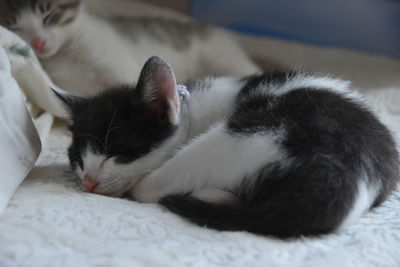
x=265 y=220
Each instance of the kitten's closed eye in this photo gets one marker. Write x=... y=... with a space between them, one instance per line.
x=123 y=159
x=54 y=14
x=52 y=19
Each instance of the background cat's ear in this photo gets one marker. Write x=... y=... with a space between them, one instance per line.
x=72 y=103
x=157 y=87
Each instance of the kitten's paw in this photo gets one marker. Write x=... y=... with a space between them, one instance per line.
x=144 y=192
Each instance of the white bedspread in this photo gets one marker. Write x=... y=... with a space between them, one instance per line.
x=51 y=222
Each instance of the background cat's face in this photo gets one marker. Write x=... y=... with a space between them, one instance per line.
x=44 y=24
x=118 y=136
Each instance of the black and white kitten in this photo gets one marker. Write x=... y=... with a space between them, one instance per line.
x=281 y=154
x=86 y=54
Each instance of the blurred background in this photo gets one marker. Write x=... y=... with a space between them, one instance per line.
x=368 y=25
x=353 y=39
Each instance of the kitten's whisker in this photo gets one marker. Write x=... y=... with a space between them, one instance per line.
x=108 y=129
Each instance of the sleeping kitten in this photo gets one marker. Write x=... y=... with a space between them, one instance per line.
x=82 y=51
x=281 y=154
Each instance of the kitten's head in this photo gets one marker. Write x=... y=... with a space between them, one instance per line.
x=121 y=135
x=45 y=24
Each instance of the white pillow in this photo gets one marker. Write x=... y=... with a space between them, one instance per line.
x=19 y=141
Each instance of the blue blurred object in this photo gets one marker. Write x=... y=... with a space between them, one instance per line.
x=368 y=25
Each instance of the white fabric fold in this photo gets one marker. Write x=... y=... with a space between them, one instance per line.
x=27 y=107
x=20 y=145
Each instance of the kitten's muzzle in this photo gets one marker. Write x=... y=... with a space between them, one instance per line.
x=89 y=183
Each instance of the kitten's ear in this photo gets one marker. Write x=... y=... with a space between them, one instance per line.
x=72 y=103
x=157 y=87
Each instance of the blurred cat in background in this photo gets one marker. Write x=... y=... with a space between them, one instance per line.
x=85 y=53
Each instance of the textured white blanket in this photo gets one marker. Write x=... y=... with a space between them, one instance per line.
x=51 y=222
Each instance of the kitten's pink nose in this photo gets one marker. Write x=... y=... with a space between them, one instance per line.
x=38 y=44
x=89 y=183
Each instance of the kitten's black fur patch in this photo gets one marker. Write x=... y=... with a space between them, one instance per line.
x=330 y=142
x=272 y=77
x=117 y=124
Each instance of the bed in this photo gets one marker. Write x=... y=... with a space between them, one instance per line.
x=51 y=221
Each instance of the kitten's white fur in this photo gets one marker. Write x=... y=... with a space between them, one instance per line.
x=212 y=102
x=88 y=55
x=365 y=195
x=212 y=160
